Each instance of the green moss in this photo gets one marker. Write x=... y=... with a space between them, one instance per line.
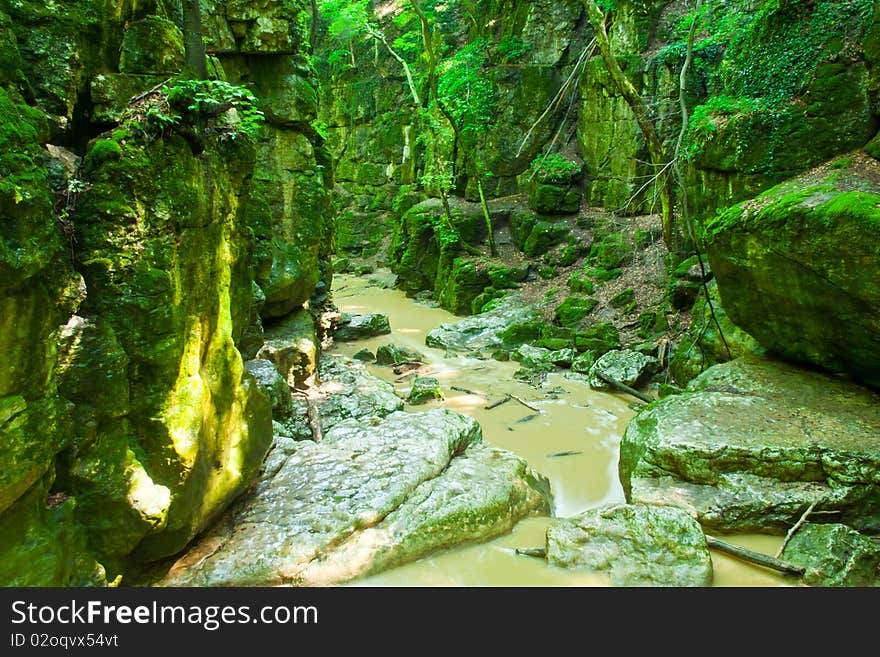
x=571 y=311
x=578 y=284
x=622 y=298
x=599 y=338
x=543 y=236
x=611 y=252
x=521 y=332
x=102 y=150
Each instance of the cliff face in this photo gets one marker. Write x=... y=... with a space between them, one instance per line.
x=772 y=90
x=138 y=262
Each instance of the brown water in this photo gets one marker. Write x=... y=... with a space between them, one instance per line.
x=583 y=424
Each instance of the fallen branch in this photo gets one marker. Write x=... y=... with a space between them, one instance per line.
x=466 y=391
x=754 y=557
x=526 y=404
x=498 y=403
x=539 y=552
x=795 y=527
x=625 y=388
x=135 y=99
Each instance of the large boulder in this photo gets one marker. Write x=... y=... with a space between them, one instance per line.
x=636 y=545
x=753 y=443
x=376 y=492
x=797 y=267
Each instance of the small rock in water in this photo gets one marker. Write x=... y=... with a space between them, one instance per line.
x=365 y=356
x=392 y=354
x=622 y=365
x=357 y=327
x=425 y=389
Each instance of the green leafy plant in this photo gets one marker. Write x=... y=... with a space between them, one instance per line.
x=511 y=49
x=214 y=98
x=554 y=167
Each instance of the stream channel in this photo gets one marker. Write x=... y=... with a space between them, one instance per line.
x=573 y=441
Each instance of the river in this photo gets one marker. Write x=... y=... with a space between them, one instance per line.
x=573 y=441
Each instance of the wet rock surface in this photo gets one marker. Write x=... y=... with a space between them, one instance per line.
x=636 y=545
x=753 y=443
x=375 y=492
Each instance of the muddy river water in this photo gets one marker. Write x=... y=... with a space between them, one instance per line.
x=573 y=441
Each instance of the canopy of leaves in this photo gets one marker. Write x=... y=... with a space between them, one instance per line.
x=466 y=90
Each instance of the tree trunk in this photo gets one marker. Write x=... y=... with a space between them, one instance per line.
x=643 y=118
x=492 y=250
x=194 y=45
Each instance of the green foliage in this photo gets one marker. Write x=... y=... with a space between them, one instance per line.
x=465 y=89
x=760 y=58
x=511 y=49
x=210 y=96
x=554 y=168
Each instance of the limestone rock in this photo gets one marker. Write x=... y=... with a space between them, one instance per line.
x=272 y=384
x=752 y=443
x=392 y=354
x=834 y=555
x=637 y=545
x=483 y=333
x=796 y=269
x=424 y=389
x=624 y=365
x=292 y=346
x=357 y=327
x=375 y=493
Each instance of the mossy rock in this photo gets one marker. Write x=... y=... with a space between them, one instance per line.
x=599 y=338
x=425 y=389
x=579 y=284
x=571 y=311
x=622 y=298
x=554 y=198
x=796 y=270
x=611 y=252
x=152 y=45
x=461 y=284
x=543 y=236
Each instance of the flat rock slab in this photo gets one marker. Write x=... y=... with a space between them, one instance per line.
x=622 y=365
x=636 y=545
x=753 y=443
x=374 y=493
x=482 y=333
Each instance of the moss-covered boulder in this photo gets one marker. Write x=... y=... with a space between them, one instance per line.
x=573 y=309
x=796 y=268
x=636 y=545
x=611 y=251
x=460 y=283
x=504 y=326
x=834 y=555
x=423 y=235
x=153 y=45
x=424 y=389
x=624 y=366
x=598 y=338
x=392 y=354
x=753 y=443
